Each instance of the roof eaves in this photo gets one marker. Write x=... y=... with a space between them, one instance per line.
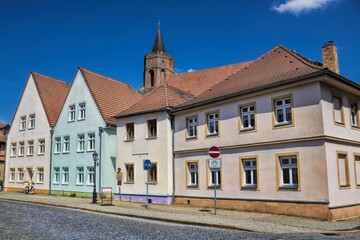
x=141 y=112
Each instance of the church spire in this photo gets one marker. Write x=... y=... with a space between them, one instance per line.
x=159 y=45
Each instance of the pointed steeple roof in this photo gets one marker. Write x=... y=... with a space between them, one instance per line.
x=159 y=45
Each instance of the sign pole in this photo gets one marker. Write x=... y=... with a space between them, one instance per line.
x=147 y=189
x=215 y=184
x=214 y=165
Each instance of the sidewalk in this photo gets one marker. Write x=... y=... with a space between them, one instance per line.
x=257 y=222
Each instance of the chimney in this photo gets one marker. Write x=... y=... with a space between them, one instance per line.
x=330 y=58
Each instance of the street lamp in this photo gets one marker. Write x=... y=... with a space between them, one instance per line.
x=96 y=160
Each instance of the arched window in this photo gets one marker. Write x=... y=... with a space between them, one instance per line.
x=162 y=76
x=152 y=78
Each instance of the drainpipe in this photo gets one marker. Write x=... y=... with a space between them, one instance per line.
x=101 y=130
x=172 y=153
x=51 y=149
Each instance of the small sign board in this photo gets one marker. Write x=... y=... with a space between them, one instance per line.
x=106 y=196
x=147 y=164
x=214 y=152
x=119 y=176
x=214 y=164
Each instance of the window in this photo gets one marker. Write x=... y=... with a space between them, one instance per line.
x=71 y=113
x=21 y=149
x=354 y=110
x=82 y=111
x=13 y=150
x=130 y=131
x=81 y=143
x=249 y=172
x=12 y=175
x=40 y=175
x=65 y=175
x=22 y=123
x=56 y=175
x=32 y=121
x=193 y=174
x=247 y=118
x=91 y=142
x=129 y=172
x=288 y=172
x=337 y=105
x=41 y=147
x=152 y=131
x=214 y=178
x=57 y=145
x=212 y=123
x=21 y=175
x=66 y=144
x=90 y=179
x=191 y=127
x=357 y=169
x=283 y=112
x=30 y=150
x=343 y=170
x=152 y=173
x=80 y=176
x=152 y=78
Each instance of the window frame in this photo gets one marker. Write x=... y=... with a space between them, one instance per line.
x=41 y=145
x=149 y=173
x=341 y=102
x=347 y=170
x=21 y=149
x=90 y=176
x=82 y=111
x=91 y=142
x=32 y=121
x=240 y=118
x=80 y=175
x=194 y=125
x=65 y=142
x=40 y=175
x=190 y=185
x=57 y=145
x=72 y=113
x=357 y=115
x=12 y=175
x=13 y=149
x=22 y=126
x=283 y=107
x=128 y=179
x=217 y=121
x=30 y=148
x=21 y=174
x=209 y=176
x=357 y=173
x=65 y=176
x=151 y=136
x=80 y=142
x=128 y=135
x=279 y=172
x=56 y=174
x=243 y=184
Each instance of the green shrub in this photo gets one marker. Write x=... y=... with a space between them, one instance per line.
x=72 y=194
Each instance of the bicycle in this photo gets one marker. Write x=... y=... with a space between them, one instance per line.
x=29 y=187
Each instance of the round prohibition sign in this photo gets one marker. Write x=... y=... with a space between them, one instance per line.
x=214 y=152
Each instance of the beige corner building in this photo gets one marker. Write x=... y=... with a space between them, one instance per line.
x=289 y=133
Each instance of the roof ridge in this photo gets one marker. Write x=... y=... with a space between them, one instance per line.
x=301 y=58
x=108 y=78
x=41 y=75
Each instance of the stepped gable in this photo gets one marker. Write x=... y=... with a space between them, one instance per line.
x=277 y=65
x=52 y=93
x=110 y=96
x=159 y=99
x=199 y=81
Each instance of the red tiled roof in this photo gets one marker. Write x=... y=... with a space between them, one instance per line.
x=199 y=81
x=111 y=96
x=2 y=137
x=52 y=93
x=160 y=98
x=273 y=67
x=3 y=125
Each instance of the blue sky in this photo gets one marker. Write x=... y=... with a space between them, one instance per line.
x=111 y=37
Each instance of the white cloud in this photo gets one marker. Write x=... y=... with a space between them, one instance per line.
x=191 y=70
x=300 y=6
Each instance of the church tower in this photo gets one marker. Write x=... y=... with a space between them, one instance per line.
x=158 y=65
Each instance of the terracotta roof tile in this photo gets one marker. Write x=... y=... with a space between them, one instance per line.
x=2 y=137
x=160 y=98
x=3 y=125
x=52 y=93
x=277 y=65
x=111 y=96
x=199 y=81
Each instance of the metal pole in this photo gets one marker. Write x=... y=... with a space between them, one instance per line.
x=215 y=184
x=120 y=193
x=94 y=191
x=147 y=188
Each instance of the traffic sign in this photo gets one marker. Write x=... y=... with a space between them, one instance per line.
x=214 y=152
x=214 y=164
x=147 y=164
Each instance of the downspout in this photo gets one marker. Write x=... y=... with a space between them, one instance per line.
x=51 y=149
x=172 y=154
x=101 y=130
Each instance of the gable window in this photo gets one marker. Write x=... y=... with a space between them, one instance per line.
x=66 y=148
x=12 y=175
x=41 y=147
x=13 y=150
x=357 y=169
x=81 y=143
x=283 y=112
x=212 y=124
x=32 y=121
x=40 y=175
x=90 y=178
x=191 y=127
x=22 y=123
x=193 y=174
x=21 y=175
x=80 y=176
x=65 y=175
x=91 y=142
x=338 y=109
x=71 y=113
x=249 y=173
x=56 y=175
x=354 y=111
x=21 y=149
x=152 y=173
x=288 y=176
x=129 y=172
x=57 y=145
x=130 y=131
x=247 y=118
x=343 y=170
x=152 y=128
x=82 y=111
x=30 y=150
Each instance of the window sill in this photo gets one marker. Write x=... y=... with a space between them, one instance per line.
x=217 y=187
x=195 y=187
x=152 y=183
x=21 y=156
x=82 y=151
x=57 y=153
x=345 y=187
x=82 y=119
x=21 y=130
x=71 y=121
x=129 y=140
x=212 y=135
x=30 y=155
x=151 y=138
x=90 y=150
x=31 y=128
x=340 y=124
x=56 y=183
x=41 y=154
x=191 y=138
x=289 y=188
x=79 y=184
x=90 y=184
x=66 y=152
x=11 y=181
x=249 y=188
x=39 y=182
x=247 y=130
x=355 y=127
x=65 y=184
x=129 y=182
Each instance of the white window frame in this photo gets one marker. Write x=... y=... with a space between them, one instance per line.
x=12 y=175
x=191 y=127
x=81 y=143
x=282 y=108
x=82 y=111
x=57 y=145
x=354 y=114
x=72 y=113
x=80 y=176
x=252 y=168
x=290 y=166
x=41 y=148
x=65 y=175
x=22 y=123
x=40 y=175
x=193 y=173
x=30 y=148
x=13 y=150
x=21 y=175
x=90 y=175
x=246 y=112
x=91 y=142
x=21 y=149
x=128 y=179
x=56 y=175
x=212 y=120
x=31 y=121
x=66 y=148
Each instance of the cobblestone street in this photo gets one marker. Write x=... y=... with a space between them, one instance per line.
x=32 y=221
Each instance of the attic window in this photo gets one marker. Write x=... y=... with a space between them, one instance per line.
x=184 y=96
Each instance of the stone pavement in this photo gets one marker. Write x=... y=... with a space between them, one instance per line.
x=247 y=221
